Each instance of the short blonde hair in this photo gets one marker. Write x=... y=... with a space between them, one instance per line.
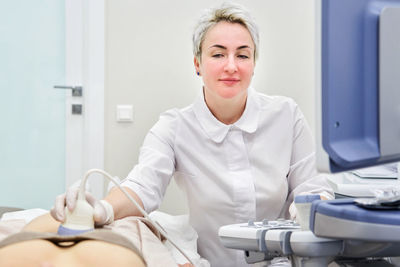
x=229 y=12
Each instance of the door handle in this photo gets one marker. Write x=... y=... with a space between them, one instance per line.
x=76 y=90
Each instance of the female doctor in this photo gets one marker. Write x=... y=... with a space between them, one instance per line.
x=236 y=153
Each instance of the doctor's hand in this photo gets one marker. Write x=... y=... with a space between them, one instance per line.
x=293 y=211
x=103 y=211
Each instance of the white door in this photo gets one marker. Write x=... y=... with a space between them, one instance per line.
x=44 y=148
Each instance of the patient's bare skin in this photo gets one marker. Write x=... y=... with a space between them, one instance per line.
x=45 y=254
x=43 y=223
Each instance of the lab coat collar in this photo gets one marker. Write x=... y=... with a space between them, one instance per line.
x=217 y=130
x=248 y=122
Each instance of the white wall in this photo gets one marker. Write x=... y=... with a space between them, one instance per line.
x=149 y=64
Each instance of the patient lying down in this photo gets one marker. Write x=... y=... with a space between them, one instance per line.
x=126 y=242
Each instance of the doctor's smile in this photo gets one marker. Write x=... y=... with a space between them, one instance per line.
x=229 y=82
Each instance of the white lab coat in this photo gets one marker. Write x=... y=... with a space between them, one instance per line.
x=230 y=173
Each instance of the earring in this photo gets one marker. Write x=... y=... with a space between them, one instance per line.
x=198 y=73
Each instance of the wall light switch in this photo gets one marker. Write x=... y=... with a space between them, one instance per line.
x=124 y=113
